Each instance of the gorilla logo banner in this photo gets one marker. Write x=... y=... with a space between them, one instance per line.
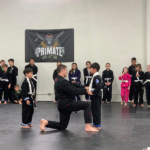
x=49 y=45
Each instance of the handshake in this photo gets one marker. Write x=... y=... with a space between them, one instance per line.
x=87 y=90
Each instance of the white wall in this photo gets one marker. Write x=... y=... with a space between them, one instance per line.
x=105 y=31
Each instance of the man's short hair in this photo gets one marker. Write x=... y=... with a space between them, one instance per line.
x=5 y=66
x=2 y=60
x=133 y=58
x=95 y=66
x=12 y=60
x=31 y=58
x=27 y=70
x=60 y=67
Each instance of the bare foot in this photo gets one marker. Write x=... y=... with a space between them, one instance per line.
x=91 y=129
x=102 y=101
x=54 y=101
x=35 y=101
x=148 y=105
x=134 y=105
x=0 y=102
x=43 y=124
x=86 y=100
x=121 y=103
x=142 y=105
x=31 y=125
x=5 y=102
x=108 y=102
x=20 y=103
x=26 y=127
x=125 y=104
x=98 y=128
x=9 y=101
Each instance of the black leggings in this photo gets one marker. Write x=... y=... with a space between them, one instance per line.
x=66 y=112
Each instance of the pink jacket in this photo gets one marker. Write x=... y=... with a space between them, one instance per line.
x=126 y=80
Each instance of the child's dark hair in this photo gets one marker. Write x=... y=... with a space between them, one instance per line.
x=27 y=70
x=95 y=66
x=71 y=71
x=32 y=59
x=133 y=58
x=5 y=66
x=124 y=68
x=138 y=65
x=12 y=60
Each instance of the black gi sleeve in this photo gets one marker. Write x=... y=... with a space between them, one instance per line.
x=141 y=76
x=98 y=83
x=26 y=66
x=13 y=96
x=72 y=90
x=103 y=77
x=54 y=74
x=25 y=91
x=144 y=78
x=10 y=78
x=20 y=95
x=84 y=76
x=134 y=76
x=112 y=76
x=78 y=85
x=36 y=70
x=15 y=72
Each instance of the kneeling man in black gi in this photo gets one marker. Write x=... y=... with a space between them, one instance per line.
x=65 y=91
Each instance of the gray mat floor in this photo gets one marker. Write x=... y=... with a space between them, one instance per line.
x=123 y=128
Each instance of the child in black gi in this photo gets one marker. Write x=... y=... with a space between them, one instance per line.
x=95 y=92
x=108 y=78
x=28 y=91
x=16 y=95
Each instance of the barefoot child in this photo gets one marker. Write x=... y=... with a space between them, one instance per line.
x=95 y=92
x=28 y=91
x=147 y=84
x=66 y=90
x=131 y=70
x=125 y=85
x=16 y=95
x=87 y=78
x=5 y=83
x=138 y=77
x=108 y=78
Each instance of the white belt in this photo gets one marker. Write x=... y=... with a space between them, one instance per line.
x=107 y=79
x=139 y=81
x=4 y=80
x=74 y=78
x=92 y=89
x=125 y=81
x=148 y=80
x=88 y=77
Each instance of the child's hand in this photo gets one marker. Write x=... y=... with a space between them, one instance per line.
x=87 y=88
x=90 y=93
x=129 y=88
x=27 y=102
x=9 y=86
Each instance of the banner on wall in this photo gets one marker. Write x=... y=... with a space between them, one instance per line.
x=49 y=45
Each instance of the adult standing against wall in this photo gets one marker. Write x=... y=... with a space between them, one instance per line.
x=13 y=70
x=34 y=68
x=55 y=74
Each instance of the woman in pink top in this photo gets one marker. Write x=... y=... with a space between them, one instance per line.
x=125 y=85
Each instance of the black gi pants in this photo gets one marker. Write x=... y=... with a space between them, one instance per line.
x=131 y=92
x=27 y=113
x=66 y=112
x=96 y=110
x=138 y=90
x=107 y=93
x=34 y=83
x=4 y=88
x=14 y=82
x=148 y=94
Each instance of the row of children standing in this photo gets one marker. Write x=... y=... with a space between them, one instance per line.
x=8 y=81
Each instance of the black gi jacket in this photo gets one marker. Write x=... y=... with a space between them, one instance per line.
x=25 y=90
x=97 y=85
x=147 y=77
x=55 y=73
x=65 y=90
x=141 y=73
x=13 y=71
x=16 y=95
x=6 y=75
x=85 y=71
x=34 y=68
x=131 y=69
x=107 y=74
